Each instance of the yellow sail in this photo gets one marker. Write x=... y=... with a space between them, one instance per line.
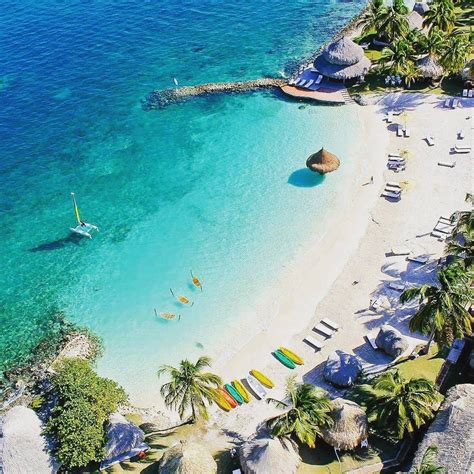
x=76 y=209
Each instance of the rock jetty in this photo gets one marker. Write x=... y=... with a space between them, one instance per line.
x=159 y=99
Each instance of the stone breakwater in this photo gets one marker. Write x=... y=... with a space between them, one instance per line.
x=159 y=99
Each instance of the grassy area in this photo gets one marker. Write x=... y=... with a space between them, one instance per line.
x=427 y=366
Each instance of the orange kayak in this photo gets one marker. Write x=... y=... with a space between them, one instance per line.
x=227 y=397
x=222 y=402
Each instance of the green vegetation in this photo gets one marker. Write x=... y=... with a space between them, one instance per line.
x=189 y=388
x=305 y=414
x=427 y=365
x=84 y=403
x=428 y=463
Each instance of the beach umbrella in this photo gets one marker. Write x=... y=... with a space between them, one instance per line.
x=342 y=369
x=262 y=453
x=24 y=446
x=350 y=426
x=187 y=458
x=323 y=162
x=391 y=341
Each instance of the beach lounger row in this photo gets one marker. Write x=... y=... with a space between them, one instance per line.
x=467 y=92
x=443 y=228
x=403 y=131
x=453 y=104
x=392 y=191
x=327 y=327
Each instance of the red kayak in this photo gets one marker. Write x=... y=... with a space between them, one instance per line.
x=227 y=396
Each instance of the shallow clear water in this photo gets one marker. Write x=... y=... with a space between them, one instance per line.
x=216 y=185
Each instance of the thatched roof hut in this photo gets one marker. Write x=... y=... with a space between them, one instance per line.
x=350 y=426
x=415 y=20
x=429 y=67
x=24 y=447
x=124 y=440
x=452 y=431
x=265 y=454
x=467 y=72
x=323 y=162
x=343 y=59
x=391 y=341
x=342 y=369
x=187 y=458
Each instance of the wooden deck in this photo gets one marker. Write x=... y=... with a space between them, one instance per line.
x=330 y=96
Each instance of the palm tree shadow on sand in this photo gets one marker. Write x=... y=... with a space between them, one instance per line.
x=305 y=178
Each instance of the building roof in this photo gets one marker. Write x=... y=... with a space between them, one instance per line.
x=391 y=341
x=187 y=458
x=342 y=369
x=342 y=59
x=415 y=20
x=452 y=432
x=23 y=448
x=429 y=67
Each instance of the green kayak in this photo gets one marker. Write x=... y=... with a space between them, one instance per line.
x=233 y=393
x=284 y=360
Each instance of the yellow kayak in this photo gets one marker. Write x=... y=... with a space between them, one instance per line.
x=291 y=355
x=221 y=401
x=239 y=386
x=262 y=378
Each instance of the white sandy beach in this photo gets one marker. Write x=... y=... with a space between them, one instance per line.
x=320 y=282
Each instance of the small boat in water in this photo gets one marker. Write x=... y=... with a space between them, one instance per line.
x=234 y=393
x=83 y=228
x=286 y=361
x=196 y=281
x=181 y=298
x=256 y=386
x=243 y=392
x=291 y=355
x=262 y=378
x=230 y=400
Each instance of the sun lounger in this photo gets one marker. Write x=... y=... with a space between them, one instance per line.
x=389 y=117
x=331 y=324
x=446 y=102
x=464 y=92
x=396 y=167
x=461 y=135
x=430 y=140
x=407 y=133
x=319 y=79
x=400 y=250
x=396 y=286
x=470 y=93
x=314 y=342
x=448 y=220
x=399 y=131
x=445 y=228
x=394 y=155
x=447 y=164
x=393 y=189
x=323 y=330
x=462 y=149
x=418 y=259
x=396 y=158
x=393 y=184
x=390 y=195
x=438 y=235
x=309 y=84
x=455 y=103
x=371 y=340
x=301 y=83
x=397 y=111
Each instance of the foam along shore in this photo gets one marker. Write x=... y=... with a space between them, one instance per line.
x=337 y=276
x=158 y=99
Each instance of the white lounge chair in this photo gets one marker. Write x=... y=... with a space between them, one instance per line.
x=319 y=79
x=447 y=164
x=396 y=166
x=445 y=228
x=396 y=158
x=394 y=155
x=396 y=286
x=438 y=235
x=464 y=92
x=314 y=342
x=301 y=83
x=323 y=330
x=461 y=149
x=470 y=93
x=389 y=117
x=397 y=111
x=309 y=84
x=399 y=131
x=407 y=132
x=418 y=259
x=455 y=103
x=393 y=184
x=371 y=340
x=461 y=135
x=400 y=250
x=390 y=189
x=430 y=140
x=331 y=324
x=445 y=219
x=387 y=194
x=446 y=102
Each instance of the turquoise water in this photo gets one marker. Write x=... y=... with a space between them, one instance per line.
x=216 y=185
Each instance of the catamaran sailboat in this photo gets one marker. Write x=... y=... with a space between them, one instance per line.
x=83 y=228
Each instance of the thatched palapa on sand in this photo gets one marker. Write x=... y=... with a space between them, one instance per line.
x=343 y=59
x=342 y=369
x=323 y=162
x=391 y=341
x=187 y=458
x=350 y=426
x=261 y=453
x=24 y=447
x=124 y=440
x=429 y=67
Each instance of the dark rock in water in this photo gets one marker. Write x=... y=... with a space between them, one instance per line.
x=197 y=49
x=302 y=107
x=199 y=345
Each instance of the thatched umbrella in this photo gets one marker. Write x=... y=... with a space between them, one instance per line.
x=124 y=441
x=391 y=341
x=265 y=454
x=342 y=369
x=187 y=458
x=429 y=68
x=350 y=426
x=323 y=162
x=24 y=447
x=343 y=59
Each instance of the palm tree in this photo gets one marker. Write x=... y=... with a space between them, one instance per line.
x=428 y=463
x=410 y=73
x=306 y=412
x=456 y=53
x=441 y=15
x=442 y=312
x=393 y=22
x=402 y=405
x=189 y=387
x=434 y=43
x=371 y=19
x=396 y=57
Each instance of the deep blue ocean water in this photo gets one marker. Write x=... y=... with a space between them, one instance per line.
x=216 y=184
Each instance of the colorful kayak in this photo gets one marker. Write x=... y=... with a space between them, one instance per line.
x=234 y=393
x=256 y=386
x=262 y=378
x=227 y=397
x=243 y=392
x=286 y=361
x=222 y=402
x=291 y=355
